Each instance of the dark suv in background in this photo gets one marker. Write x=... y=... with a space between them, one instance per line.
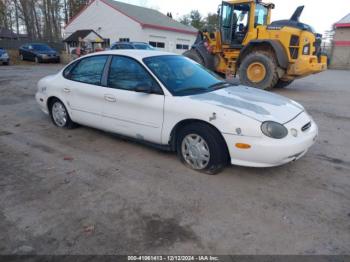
x=38 y=53
x=4 y=57
x=132 y=45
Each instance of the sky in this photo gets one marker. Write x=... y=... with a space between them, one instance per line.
x=317 y=13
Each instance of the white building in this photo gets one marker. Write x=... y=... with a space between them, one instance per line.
x=119 y=21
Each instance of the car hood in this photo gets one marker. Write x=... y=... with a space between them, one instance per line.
x=254 y=103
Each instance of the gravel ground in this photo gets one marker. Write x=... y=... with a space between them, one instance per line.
x=89 y=192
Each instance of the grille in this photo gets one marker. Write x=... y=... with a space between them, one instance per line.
x=294 y=40
x=306 y=127
x=294 y=46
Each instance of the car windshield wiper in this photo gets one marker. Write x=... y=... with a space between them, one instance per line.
x=193 y=89
x=220 y=85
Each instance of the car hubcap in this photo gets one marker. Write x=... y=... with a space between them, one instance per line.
x=59 y=114
x=195 y=151
x=256 y=72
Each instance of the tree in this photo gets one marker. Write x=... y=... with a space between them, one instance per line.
x=211 y=22
x=169 y=14
x=185 y=19
x=197 y=20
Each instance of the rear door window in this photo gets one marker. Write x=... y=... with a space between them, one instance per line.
x=89 y=70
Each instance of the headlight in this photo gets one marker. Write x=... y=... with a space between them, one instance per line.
x=274 y=130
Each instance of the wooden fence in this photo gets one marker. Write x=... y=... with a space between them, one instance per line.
x=15 y=44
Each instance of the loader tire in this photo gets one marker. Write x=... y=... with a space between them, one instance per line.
x=283 y=84
x=193 y=54
x=260 y=70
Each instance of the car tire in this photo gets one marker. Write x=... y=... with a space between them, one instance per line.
x=6 y=63
x=283 y=84
x=37 y=60
x=209 y=152
x=21 y=57
x=59 y=115
x=262 y=62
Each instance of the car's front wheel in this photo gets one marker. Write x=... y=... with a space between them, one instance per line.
x=60 y=116
x=200 y=147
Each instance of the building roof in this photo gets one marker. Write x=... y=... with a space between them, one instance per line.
x=80 y=34
x=344 y=22
x=147 y=17
x=6 y=33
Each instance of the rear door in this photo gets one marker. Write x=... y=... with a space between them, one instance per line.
x=83 y=90
x=135 y=114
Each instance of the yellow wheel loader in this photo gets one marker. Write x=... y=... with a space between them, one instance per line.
x=264 y=54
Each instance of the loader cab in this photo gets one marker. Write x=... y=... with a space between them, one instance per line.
x=237 y=19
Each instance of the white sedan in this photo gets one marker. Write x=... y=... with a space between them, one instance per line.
x=172 y=102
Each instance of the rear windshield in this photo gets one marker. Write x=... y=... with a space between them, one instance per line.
x=41 y=47
x=143 y=47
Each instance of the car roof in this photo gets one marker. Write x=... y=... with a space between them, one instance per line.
x=130 y=43
x=135 y=53
x=37 y=44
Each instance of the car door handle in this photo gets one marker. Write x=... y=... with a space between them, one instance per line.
x=110 y=98
x=66 y=90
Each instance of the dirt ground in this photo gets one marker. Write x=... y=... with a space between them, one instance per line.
x=89 y=192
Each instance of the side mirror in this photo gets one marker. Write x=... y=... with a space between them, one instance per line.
x=143 y=89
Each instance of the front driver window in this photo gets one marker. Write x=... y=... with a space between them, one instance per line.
x=89 y=70
x=127 y=74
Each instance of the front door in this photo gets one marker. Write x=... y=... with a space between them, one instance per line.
x=234 y=23
x=83 y=91
x=135 y=114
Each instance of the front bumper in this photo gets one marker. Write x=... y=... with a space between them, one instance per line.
x=49 y=58
x=4 y=60
x=307 y=65
x=41 y=99
x=268 y=152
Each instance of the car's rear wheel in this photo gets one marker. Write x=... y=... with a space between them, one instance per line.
x=59 y=115
x=200 y=147
x=37 y=60
x=21 y=57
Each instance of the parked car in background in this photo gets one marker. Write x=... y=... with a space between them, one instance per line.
x=132 y=45
x=4 y=57
x=38 y=53
x=176 y=103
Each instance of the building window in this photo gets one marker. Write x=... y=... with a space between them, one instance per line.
x=157 y=44
x=124 y=39
x=182 y=47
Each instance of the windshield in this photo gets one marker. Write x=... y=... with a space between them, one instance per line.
x=143 y=47
x=2 y=51
x=261 y=13
x=42 y=47
x=182 y=76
